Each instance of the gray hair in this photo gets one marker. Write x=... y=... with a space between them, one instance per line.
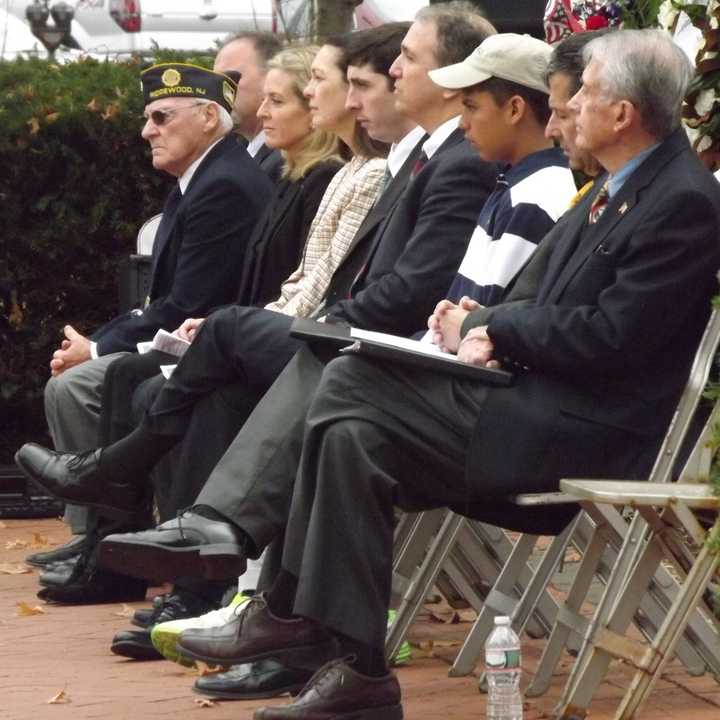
x=649 y=70
x=225 y=122
x=460 y=28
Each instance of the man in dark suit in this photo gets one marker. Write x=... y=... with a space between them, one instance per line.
x=245 y=57
x=600 y=359
x=199 y=246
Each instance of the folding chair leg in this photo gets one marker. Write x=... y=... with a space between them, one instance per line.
x=423 y=581
x=500 y=600
x=604 y=630
x=657 y=655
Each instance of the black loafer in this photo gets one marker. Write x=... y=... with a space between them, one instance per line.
x=188 y=546
x=58 y=573
x=72 y=548
x=90 y=586
x=134 y=644
x=262 y=679
x=74 y=478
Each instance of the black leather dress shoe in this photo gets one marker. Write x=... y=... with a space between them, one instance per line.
x=188 y=546
x=74 y=478
x=88 y=585
x=255 y=633
x=142 y=617
x=176 y=605
x=72 y=548
x=58 y=573
x=134 y=644
x=338 y=691
x=253 y=681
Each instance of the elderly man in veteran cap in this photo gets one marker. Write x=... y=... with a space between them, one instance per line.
x=197 y=255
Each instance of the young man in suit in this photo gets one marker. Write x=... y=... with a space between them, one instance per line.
x=600 y=359
x=196 y=256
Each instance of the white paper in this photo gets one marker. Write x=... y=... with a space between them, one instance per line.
x=144 y=347
x=426 y=348
x=169 y=343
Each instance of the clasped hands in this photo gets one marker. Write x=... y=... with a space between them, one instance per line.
x=476 y=348
x=75 y=348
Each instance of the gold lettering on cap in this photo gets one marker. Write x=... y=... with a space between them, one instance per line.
x=228 y=93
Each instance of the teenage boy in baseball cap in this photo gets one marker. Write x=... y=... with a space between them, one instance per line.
x=505 y=110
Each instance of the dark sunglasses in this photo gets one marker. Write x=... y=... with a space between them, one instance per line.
x=162 y=117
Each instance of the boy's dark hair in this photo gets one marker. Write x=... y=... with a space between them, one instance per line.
x=265 y=43
x=377 y=47
x=567 y=57
x=502 y=90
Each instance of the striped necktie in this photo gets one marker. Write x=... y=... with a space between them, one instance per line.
x=599 y=204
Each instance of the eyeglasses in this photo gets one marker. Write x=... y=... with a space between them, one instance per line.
x=162 y=117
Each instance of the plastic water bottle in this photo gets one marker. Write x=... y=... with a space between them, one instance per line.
x=502 y=668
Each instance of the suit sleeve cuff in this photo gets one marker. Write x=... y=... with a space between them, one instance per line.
x=94 y=354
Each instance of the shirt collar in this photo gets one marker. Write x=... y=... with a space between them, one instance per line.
x=617 y=180
x=440 y=135
x=256 y=143
x=401 y=149
x=186 y=177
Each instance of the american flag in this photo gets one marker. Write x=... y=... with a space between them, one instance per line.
x=560 y=21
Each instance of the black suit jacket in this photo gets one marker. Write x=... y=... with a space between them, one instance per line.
x=610 y=338
x=357 y=254
x=270 y=162
x=197 y=263
x=277 y=243
x=418 y=248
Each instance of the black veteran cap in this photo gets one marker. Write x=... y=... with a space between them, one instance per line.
x=170 y=80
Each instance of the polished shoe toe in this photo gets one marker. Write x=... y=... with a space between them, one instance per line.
x=74 y=478
x=253 y=681
x=58 y=573
x=135 y=644
x=65 y=552
x=254 y=633
x=190 y=545
x=336 y=690
x=87 y=586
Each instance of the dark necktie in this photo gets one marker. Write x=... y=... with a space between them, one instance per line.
x=599 y=204
x=386 y=179
x=419 y=164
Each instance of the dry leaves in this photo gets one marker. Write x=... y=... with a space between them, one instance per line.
x=40 y=541
x=125 y=611
x=450 y=616
x=14 y=569
x=16 y=544
x=427 y=648
x=203 y=702
x=25 y=610
x=62 y=698
x=202 y=668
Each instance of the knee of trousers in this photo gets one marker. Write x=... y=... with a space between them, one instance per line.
x=68 y=391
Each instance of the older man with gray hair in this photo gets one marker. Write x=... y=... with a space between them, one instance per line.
x=599 y=356
x=197 y=255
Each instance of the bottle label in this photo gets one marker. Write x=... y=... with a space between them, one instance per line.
x=502 y=660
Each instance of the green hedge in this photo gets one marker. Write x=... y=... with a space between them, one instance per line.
x=75 y=185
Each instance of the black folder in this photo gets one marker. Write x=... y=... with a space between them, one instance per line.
x=339 y=336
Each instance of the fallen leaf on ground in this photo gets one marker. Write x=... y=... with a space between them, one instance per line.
x=202 y=702
x=16 y=544
x=60 y=699
x=40 y=541
x=125 y=611
x=25 y=610
x=202 y=668
x=14 y=569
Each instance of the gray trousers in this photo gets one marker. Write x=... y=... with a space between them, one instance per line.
x=72 y=410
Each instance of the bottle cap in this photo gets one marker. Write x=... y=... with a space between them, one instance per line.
x=502 y=620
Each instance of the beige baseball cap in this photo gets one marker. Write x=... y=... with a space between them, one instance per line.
x=521 y=59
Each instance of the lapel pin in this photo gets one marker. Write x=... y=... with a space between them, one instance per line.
x=623 y=208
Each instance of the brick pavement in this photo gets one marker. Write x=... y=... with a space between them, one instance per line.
x=66 y=648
